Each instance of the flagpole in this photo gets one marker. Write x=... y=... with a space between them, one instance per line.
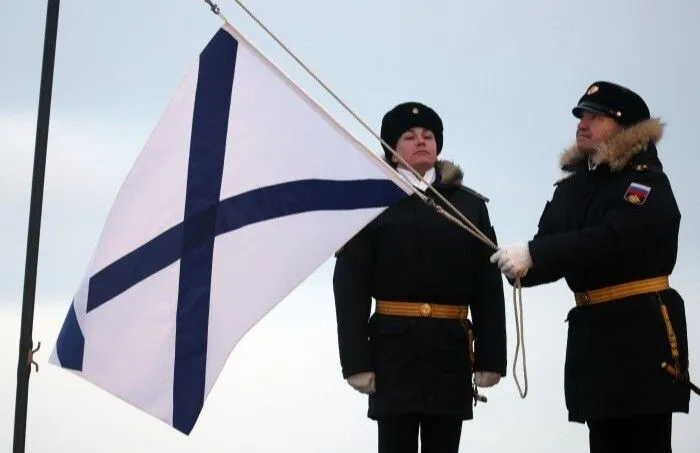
x=26 y=349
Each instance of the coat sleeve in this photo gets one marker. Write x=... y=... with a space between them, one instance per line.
x=488 y=305
x=542 y=274
x=353 y=300
x=626 y=227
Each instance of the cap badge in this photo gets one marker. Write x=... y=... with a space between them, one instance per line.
x=415 y=110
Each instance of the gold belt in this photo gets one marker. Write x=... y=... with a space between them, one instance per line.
x=429 y=310
x=607 y=294
x=422 y=309
x=649 y=285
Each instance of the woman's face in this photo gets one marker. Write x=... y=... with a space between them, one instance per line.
x=417 y=146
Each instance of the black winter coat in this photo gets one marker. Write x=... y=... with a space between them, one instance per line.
x=595 y=233
x=411 y=253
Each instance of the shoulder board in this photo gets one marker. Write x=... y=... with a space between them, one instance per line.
x=473 y=192
x=643 y=168
x=563 y=178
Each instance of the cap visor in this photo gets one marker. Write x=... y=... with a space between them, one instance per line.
x=588 y=107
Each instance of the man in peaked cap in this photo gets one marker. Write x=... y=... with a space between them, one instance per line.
x=611 y=231
x=413 y=355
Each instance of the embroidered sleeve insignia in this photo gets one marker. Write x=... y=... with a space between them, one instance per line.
x=637 y=193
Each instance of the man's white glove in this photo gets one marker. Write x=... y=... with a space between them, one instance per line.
x=514 y=260
x=486 y=378
x=362 y=382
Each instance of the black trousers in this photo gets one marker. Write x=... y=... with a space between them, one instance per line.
x=646 y=433
x=438 y=434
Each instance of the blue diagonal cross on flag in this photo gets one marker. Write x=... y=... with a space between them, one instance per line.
x=244 y=188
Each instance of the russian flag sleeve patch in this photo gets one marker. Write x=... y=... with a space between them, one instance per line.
x=637 y=193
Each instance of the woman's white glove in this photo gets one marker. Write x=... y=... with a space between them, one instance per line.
x=362 y=382
x=486 y=378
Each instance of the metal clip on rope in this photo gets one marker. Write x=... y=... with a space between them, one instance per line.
x=214 y=7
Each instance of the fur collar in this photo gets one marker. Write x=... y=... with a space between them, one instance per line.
x=450 y=173
x=617 y=150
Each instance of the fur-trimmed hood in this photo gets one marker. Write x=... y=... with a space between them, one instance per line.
x=617 y=150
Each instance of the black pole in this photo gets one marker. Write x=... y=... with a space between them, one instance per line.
x=24 y=365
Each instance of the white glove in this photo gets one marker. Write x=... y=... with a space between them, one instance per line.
x=362 y=382
x=486 y=378
x=514 y=260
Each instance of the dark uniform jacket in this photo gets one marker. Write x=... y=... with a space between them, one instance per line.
x=411 y=253
x=615 y=223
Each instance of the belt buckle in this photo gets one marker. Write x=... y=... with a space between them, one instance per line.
x=582 y=299
x=426 y=310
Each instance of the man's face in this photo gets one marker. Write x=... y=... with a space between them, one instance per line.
x=592 y=129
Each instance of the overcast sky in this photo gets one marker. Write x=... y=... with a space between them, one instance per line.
x=503 y=75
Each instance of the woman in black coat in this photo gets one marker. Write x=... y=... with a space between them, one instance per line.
x=412 y=355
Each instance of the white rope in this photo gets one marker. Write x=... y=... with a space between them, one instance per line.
x=462 y=220
x=520 y=333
